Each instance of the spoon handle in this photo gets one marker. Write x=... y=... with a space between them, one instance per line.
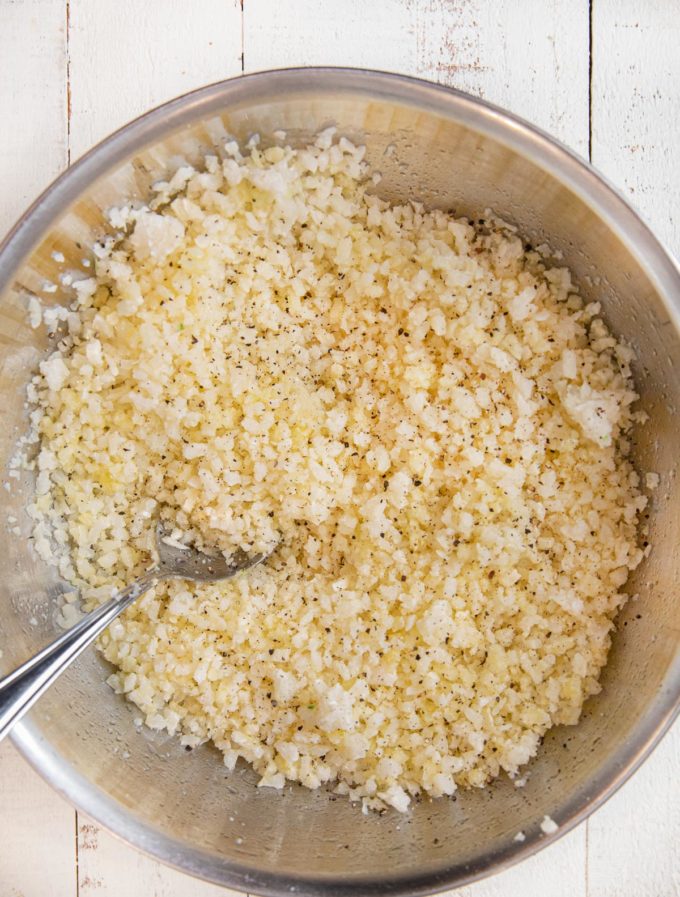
x=20 y=689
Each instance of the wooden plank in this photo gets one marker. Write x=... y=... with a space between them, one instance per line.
x=109 y=868
x=37 y=833
x=37 y=828
x=633 y=840
x=531 y=58
x=558 y=871
x=125 y=57
x=32 y=101
x=636 y=106
x=321 y=32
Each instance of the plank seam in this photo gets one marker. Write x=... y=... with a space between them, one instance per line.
x=590 y=79
x=243 y=37
x=77 y=858
x=68 y=82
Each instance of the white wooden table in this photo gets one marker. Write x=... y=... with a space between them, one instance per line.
x=604 y=77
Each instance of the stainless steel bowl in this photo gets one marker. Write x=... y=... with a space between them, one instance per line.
x=451 y=151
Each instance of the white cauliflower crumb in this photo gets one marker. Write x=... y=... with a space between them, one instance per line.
x=335 y=710
x=413 y=410
x=55 y=372
x=68 y=616
x=35 y=312
x=93 y=352
x=548 y=826
x=155 y=236
x=597 y=413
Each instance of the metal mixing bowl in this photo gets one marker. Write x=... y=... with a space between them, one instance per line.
x=451 y=151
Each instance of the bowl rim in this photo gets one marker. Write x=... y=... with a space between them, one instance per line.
x=548 y=154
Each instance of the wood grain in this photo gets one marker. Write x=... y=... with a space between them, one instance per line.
x=308 y=32
x=32 y=101
x=126 y=57
x=37 y=833
x=634 y=839
x=475 y=46
x=558 y=871
x=109 y=868
x=37 y=828
x=636 y=106
x=118 y=58
x=529 y=57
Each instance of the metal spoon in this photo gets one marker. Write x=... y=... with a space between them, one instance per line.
x=21 y=688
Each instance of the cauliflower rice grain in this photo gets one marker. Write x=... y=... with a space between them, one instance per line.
x=420 y=412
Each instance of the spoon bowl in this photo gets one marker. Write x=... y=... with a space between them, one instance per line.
x=175 y=562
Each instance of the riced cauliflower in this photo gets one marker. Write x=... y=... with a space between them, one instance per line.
x=417 y=412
